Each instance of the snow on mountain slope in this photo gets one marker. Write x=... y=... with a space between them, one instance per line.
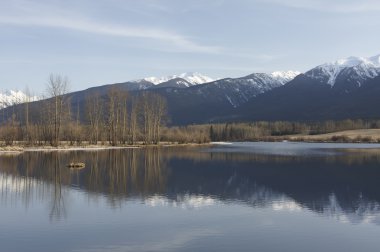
x=239 y=90
x=375 y=60
x=196 y=78
x=265 y=82
x=11 y=97
x=175 y=83
x=353 y=69
x=285 y=77
x=193 y=78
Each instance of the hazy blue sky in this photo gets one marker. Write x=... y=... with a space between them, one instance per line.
x=96 y=42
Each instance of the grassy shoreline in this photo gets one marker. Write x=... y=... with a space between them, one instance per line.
x=349 y=136
x=18 y=148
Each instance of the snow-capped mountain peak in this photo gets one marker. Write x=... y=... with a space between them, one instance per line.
x=375 y=60
x=11 y=97
x=350 y=62
x=362 y=67
x=193 y=78
x=286 y=76
x=355 y=61
x=196 y=78
x=156 y=80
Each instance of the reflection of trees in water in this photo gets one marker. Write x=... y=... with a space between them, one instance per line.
x=17 y=181
x=347 y=157
x=330 y=185
x=21 y=180
x=125 y=173
x=58 y=208
x=118 y=174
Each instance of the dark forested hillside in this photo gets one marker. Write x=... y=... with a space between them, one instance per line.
x=307 y=99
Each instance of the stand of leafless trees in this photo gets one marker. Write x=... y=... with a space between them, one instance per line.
x=119 y=118
x=115 y=118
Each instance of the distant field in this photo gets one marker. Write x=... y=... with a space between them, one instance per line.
x=362 y=135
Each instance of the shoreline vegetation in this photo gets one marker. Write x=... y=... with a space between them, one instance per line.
x=121 y=119
x=20 y=147
x=348 y=136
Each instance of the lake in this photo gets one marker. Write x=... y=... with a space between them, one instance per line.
x=227 y=197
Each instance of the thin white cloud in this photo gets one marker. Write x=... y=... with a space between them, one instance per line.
x=339 y=6
x=126 y=31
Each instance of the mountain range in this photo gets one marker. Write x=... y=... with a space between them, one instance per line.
x=346 y=88
x=190 y=78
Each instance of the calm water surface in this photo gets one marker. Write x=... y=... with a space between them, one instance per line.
x=232 y=197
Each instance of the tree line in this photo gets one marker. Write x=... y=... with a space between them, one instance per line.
x=115 y=118
x=118 y=118
x=264 y=130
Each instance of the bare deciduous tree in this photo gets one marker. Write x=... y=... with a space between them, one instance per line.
x=153 y=110
x=117 y=117
x=133 y=122
x=94 y=108
x=57 y=87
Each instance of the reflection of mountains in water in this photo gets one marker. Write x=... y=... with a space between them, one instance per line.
x=343 y=186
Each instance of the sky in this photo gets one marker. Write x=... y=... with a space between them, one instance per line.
x=95 y=42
